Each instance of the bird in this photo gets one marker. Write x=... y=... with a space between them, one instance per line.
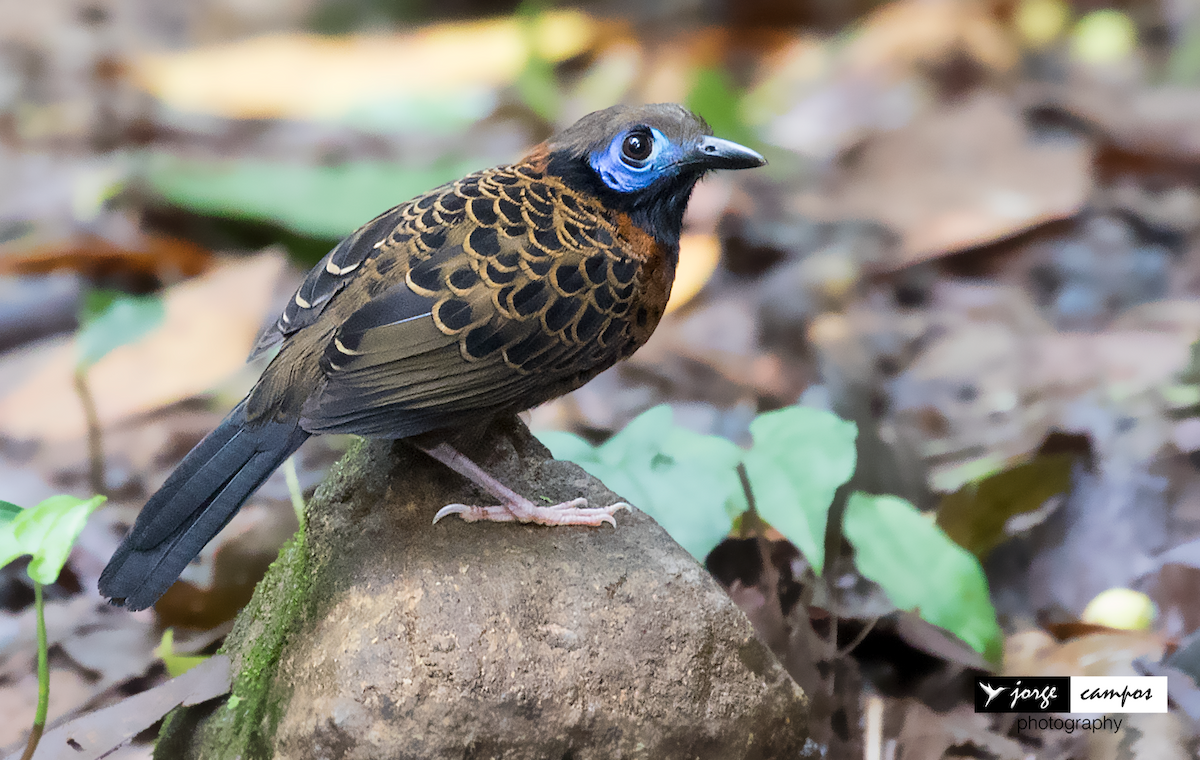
x=488 y=295
x=991 y=692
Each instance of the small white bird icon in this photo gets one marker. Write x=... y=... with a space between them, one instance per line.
x=992 y=693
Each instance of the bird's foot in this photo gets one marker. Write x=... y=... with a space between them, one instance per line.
x=573 y=512
x=514 y=507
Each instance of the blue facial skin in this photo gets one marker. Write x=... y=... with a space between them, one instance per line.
x=627 y=176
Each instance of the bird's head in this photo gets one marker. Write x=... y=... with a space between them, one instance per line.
x=644 y=161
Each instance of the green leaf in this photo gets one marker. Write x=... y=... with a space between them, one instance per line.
x=567 y=446
x=426 y=113
x=176 y=664
x=95 y=303
x=316 y=201
x=123 y=320
x=714 y=95
x=9 y=548
x=538 y=89
x=921 y=569
x=8 y=512
x=642 y=438
x=47 y=532
x=684 y=480
x=800 y=457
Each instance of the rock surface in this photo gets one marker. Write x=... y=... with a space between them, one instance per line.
x=383 y=636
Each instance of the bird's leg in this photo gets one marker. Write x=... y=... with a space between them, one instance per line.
x=513 y=506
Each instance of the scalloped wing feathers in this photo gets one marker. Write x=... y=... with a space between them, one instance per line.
x=496 y=292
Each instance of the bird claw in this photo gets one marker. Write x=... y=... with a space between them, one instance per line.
x=471 y=513
x=573 y=512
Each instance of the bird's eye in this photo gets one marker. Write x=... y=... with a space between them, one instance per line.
x=637 y=146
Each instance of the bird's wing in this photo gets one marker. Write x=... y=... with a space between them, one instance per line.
x=329 y=277
x=512 y=292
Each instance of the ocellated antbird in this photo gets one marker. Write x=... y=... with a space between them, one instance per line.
x=491 y=294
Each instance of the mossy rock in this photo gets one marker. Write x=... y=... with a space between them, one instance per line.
x=381 y=635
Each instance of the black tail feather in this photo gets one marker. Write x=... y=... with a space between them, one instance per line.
x=199 y=498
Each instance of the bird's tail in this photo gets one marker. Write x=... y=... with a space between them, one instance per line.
x=199 y=498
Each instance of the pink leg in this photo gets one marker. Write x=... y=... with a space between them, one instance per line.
x=513 y=506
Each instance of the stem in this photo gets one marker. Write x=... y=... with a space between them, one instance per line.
x=95 y=443
x=833 y=550
x=858 y=639
x=39 y=720
x=752 y=524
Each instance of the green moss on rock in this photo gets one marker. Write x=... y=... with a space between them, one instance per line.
x=243 y=724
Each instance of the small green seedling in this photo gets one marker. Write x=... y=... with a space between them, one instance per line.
x=108 y=320
x=46 y=532
x=689 y=484
x=176 y=664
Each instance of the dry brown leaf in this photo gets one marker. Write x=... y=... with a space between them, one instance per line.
x=966 y=397
x=957 y=178
x=711 y=353
x=835 y=95
x=159 y=256
x=69 y=691
x=1176 y=593
x=829 y=97
x=901 y=36
x=1143 y=736
x=1036 y=653
x=90 y=737
x=927 y=735
x=1162 y=122
x=307 y=76
x=1124 y=362
x=108 y=646
x=984 y=394
x=1027 y=649
x=938 y=642
x=1178 y=316
x=210 y=324
x=698 y=257
x=63 y=619
x=121 y=650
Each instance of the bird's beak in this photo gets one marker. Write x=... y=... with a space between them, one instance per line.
x=715 y=153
